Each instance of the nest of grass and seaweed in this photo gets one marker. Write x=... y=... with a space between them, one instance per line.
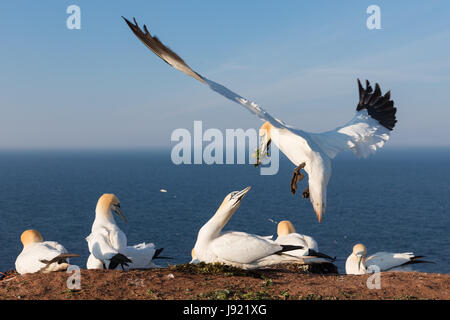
x=226 y=270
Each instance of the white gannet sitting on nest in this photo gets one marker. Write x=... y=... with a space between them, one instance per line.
x=239 y=249
x=108 y=244
x=41 y=256
x=287 y=235
x=357 y=263
x=312 y=152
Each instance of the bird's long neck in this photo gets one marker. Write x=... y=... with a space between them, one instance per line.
x=215 y=225
x=275 y=137
x=103 y=216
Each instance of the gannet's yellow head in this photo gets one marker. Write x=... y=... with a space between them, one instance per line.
x=233 y=200
x=30 y=236
x=264 y=141
x=284 y=228
x=359 y=250
x=109 y=202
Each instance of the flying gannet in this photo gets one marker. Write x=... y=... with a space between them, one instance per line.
x=41 y=256
x=108 y=244
x=364 y=134
x=357 y=263
x=239 y=249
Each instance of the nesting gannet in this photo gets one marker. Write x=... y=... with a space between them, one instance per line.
x=364 y=134
x=357 y=263
x=41 y=256
x=240 y=249
x=108 y=244
x=286 y=235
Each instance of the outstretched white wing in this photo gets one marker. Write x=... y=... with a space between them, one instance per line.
x=367 y=131
x=171 y=58
x=364 y=134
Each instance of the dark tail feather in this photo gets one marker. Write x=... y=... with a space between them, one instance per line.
x=157 y=256
x=286 y=248
x=60 y=259
x=320 y=255
x=414 y=260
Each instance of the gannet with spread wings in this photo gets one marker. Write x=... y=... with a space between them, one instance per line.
x=364 y=134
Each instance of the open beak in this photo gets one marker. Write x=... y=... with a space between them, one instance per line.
x=119 y=212
x=239 y=195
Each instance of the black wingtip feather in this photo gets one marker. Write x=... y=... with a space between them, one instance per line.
x=379 y=107
x=157 y=253
x=285 y=248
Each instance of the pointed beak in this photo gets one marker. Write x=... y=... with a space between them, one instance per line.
x=119 y=212
x=238 y=196
x=262 y=150
x=360 y=258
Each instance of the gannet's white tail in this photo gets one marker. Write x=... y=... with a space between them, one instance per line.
x=141 y=255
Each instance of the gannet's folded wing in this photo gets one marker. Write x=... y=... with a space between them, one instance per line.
x=245 y=248
x=55 y=245
x=171 y=58
x=38 y=256
x=100 y=246
x=387 y=260
x=367 y=131
x=118 y=240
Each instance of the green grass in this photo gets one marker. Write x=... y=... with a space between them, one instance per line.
x=225 y=294
x=214 y=269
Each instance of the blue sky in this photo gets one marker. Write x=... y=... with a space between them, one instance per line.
x=99 y=87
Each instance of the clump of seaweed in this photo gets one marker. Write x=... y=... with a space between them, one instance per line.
x=214 y=269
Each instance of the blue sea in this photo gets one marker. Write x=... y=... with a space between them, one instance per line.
x=397 y=200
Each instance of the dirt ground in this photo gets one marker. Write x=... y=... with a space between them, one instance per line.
x=186 y=282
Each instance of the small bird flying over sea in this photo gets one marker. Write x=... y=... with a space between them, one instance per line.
x=357 y=263
x=239 y=249
x=366 y=132
x=108 y=244
x=41 y=256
